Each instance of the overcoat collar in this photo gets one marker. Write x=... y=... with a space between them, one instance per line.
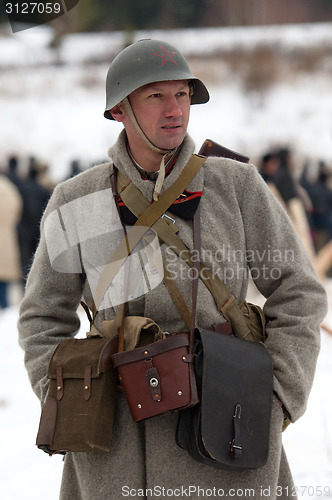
x=121 y=159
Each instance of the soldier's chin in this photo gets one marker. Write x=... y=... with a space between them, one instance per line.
x=171 y=138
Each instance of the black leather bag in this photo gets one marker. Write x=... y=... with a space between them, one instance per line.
x=230 y=428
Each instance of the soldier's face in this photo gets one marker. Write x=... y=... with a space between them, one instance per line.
x=162 y=110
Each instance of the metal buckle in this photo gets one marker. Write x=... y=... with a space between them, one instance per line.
x=168 y=217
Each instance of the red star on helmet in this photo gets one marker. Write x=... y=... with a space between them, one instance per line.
x=166 y=55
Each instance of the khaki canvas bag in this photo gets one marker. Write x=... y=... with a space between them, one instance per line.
x=79 y=409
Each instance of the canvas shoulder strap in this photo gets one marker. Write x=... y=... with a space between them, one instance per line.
x=226 y=302
x=165 y=200
x=145 y=220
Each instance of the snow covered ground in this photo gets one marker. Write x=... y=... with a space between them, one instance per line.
x=56 y=113
x=26 y=473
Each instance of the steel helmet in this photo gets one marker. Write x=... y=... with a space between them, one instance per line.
x=148 y=61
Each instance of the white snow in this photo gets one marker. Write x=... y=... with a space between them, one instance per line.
x=55 y=112
x=26 y=473
x=86 y=46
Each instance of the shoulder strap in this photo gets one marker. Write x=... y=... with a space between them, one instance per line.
x=145 y=220
x=165 y=200
x=226 y=302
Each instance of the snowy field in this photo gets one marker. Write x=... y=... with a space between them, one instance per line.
x=55 y=112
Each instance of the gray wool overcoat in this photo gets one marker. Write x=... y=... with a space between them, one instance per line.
x=243 y=226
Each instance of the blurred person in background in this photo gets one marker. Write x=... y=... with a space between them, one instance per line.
x=320 y=194
x=10 y=213
x=285 y=185
x=283 y=177
x=269 y=165
x=13 y=171
x=35 y=198
x=321 y=197
x=74 y=169
x=44 y=178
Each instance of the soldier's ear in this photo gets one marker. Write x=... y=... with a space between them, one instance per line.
x=117 y=112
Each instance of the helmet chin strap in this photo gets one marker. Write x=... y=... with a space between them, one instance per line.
x=163 y=152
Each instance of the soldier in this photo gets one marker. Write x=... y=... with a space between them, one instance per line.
x=150 y=89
